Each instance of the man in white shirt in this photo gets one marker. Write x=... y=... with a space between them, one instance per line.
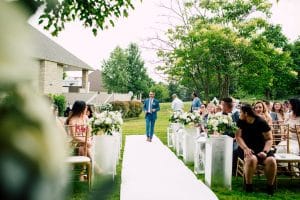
x=177 y=104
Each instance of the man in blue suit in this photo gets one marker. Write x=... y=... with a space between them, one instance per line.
x=151 y=106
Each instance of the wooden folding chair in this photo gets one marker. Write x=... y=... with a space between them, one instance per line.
x=279 y=133
x=297 y=128
x=240 y=169
x=287 y=163
x=78 y=138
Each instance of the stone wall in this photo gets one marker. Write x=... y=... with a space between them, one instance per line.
x=51 y=76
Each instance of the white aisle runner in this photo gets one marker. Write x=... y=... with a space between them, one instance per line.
x=152 y=172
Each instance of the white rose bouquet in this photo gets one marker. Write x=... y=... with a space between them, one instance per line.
x=107 y=121
x=175 y=117
x=190 y=118
x=221 y=123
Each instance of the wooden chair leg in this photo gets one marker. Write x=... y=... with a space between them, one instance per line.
x=90 y=175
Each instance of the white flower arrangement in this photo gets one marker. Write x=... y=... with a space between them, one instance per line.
x=190 y=118
x=175 y=117
x=220 y=123
x=107 y=121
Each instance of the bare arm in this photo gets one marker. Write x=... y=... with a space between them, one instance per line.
x=247 y=151
x=239 y=139
x=269 y=141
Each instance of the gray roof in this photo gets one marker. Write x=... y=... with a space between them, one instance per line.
x=96 y=82
x=47 y=49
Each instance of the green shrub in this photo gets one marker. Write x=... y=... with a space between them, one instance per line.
x=122 y=106
x=60 y=101
x=135 y=108
x=129 y=109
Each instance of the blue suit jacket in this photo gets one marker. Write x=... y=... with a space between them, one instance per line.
x=155 y=105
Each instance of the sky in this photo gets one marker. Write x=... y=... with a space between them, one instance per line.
x=142 y=23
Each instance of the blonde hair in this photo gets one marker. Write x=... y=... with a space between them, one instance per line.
x=265 y=115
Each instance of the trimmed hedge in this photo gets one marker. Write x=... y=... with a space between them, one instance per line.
x=60 y=101
x=129 y=109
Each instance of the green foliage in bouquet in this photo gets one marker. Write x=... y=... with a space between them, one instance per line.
x=221 y=124
x=175 y=117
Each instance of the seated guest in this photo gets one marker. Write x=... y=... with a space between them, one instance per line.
x=286 y=110
x=261 y=110
x=227 y=105
x=277 y=113
x=67 y=111
x=203 y=110
x=89 y=111
x=219 y=109
x=78 y=119
x=268 y=105
x=210 y=111
x=294 y=119
x=255 y=141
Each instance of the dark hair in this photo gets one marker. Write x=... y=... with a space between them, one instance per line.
x=295 y=103
x=89 y=108
x=228 y=101
x=247 y=108
x=195 y=94
x=266 y=102
x=67 y=112
x=77 y=109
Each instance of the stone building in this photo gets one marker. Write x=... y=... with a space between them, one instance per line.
x=52 y=60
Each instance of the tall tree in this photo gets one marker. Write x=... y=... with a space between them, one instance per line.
x=220 y=42
x=137 y=74
x=124 y=71
x=274 y=35
x=295 y=54
x=114 y=73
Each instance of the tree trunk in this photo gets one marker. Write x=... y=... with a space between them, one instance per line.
x=219 y=81
x=226 y=86
x=207 y=85
x=268 y=93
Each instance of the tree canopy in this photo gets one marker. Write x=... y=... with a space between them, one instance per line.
x=124 y=71
x=223 y=48
x=96 y=14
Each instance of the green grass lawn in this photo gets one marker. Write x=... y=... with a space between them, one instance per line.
x=286 y=190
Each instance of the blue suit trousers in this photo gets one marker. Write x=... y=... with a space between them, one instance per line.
x=150 y=122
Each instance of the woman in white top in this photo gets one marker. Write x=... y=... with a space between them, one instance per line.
x=294 y=119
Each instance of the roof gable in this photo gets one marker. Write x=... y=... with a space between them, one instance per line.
x=47 y=49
